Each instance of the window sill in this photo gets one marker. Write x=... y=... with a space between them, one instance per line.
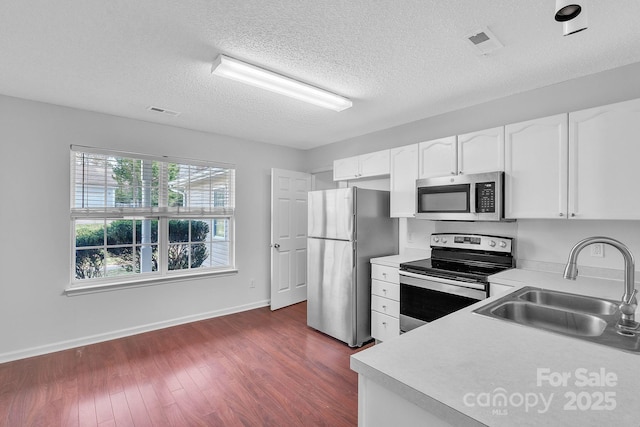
x=113 y=286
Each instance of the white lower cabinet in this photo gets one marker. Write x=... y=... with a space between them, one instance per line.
x=380 y=407
x=387 y=306
x=385 y=302
x=384 y=327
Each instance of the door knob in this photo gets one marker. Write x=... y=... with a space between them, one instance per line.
x=277 y=246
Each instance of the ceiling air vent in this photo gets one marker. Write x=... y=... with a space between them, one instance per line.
x=484 y=41
x=163 y=111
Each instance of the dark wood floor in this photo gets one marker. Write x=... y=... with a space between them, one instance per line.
x=257 y=368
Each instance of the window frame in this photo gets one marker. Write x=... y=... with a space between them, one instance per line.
x=163 y=213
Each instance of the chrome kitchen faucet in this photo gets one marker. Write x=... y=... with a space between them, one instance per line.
x=629 y=302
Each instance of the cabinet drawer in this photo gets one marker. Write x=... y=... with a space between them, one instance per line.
x=384 y=327
x=385 y=305
x=382 y=272
x=385 y=289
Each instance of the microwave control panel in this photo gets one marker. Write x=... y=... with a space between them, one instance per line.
x=486 y=197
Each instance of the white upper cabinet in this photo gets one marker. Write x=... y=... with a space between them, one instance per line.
x=481 y=151
x=404 y=172
x=583 y=165
x=536 y=168
x=438 y=157
x=580 y=165
x=373 y=164
x=604 y=162
x=365 y=165
x=474 y=152
x=347 y=168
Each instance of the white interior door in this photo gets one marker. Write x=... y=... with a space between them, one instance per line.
x=288 y=237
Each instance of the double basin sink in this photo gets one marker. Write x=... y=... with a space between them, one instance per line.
x=587 y=318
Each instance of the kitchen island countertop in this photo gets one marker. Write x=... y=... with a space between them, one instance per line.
x=474 y=370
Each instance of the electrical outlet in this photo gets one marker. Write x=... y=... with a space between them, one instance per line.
x=252 y=284
x=597 y=250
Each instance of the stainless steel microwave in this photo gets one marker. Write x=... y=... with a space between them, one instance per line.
x=473 y=197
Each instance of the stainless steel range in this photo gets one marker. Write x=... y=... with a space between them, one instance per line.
x=455 y=276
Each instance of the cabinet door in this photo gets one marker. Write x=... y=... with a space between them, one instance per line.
x=385 y=273
x=373 y=164
x=536 y=168
x=385 y=289
x=384 y=327
x=385 y=306
x=404 y=172
x=348 y=168
x=481 y=151
x=604 y=154
x=438 y=157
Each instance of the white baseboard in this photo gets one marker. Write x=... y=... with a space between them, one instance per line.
x=93 y=339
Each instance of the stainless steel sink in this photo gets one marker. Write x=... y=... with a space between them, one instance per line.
x=570 y=301
x=577 y=316
x=540 y=316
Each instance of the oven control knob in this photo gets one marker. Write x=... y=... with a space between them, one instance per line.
x=444 y=240
x=436 y=239
x=492 y=243
x=503 y=244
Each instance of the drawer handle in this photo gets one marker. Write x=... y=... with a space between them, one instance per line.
x=384 y=290
x=384 y=307
x=384 y=324
x=384 y=274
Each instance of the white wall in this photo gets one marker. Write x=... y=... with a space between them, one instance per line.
x=551 y=241
x=35 y=316
x=323 y=181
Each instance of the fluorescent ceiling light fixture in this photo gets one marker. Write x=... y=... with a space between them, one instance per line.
x=234 y=69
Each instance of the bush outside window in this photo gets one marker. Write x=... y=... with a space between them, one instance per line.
x=136 y=216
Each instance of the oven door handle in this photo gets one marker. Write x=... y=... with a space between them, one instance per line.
x=471 y=285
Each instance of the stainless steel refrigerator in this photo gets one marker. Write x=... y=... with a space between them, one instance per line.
x=346 y=228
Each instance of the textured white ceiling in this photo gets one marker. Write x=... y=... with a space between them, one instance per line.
x=399 y=61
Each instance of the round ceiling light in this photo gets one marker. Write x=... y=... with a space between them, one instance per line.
x=575 y=25
x=566 y=10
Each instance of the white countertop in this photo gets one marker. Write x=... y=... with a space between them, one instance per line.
x=396 y=260
x=449 y=366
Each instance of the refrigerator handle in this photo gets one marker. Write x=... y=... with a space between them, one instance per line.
x=354 y=255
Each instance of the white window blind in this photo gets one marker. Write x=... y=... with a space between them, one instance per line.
x=135 y=216
x=114 y=184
